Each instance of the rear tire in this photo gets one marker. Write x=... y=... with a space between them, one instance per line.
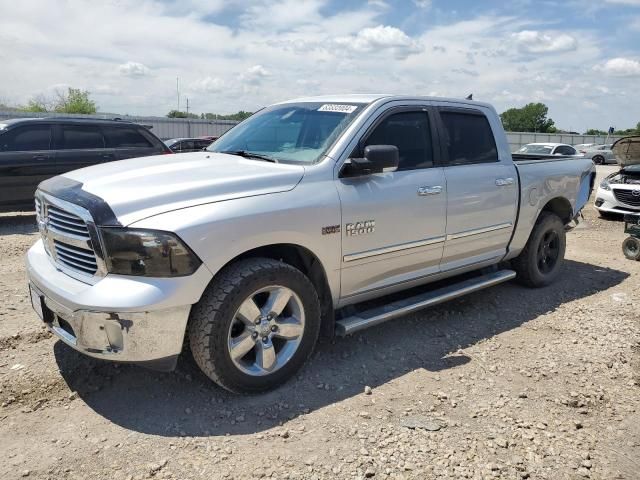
x=631 y=248
x=598 y=160
x=542 y=258
x=255 y=325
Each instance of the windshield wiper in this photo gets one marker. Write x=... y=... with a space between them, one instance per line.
x=246 y=154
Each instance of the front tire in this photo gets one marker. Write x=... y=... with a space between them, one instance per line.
x=598 y=160
x=542 y=258
x=255 y=325
x=631 y=248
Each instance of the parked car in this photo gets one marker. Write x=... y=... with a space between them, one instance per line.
x=183 y=145
x=581 y=147
x=314 y=205
x=600 y=154
x=549 y=149
x=619 y=193
x=35 y=149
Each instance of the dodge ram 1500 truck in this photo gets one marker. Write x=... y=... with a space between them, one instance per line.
x=301 y=220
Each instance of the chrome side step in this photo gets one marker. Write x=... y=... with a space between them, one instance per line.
x=398 y=308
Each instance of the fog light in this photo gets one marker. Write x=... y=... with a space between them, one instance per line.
x=599 y=202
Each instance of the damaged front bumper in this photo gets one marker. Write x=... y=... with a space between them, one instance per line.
x=125 y=319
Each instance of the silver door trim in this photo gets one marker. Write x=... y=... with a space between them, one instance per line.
x=393 y=248
x=478 y=231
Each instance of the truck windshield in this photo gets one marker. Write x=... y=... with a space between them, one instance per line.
x=291 y=132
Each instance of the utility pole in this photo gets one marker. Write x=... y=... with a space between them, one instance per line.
x=187 y=107
x=178 y=91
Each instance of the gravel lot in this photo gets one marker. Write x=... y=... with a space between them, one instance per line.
x=507 y=383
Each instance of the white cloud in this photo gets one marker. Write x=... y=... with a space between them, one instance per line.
x=620 y=67
x=533 y=41
x=379 y=39
x=254 y=75
x=422 y=3
x=133 y=69
x=634 y=3
x=208 y=85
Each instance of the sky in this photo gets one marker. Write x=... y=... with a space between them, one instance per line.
x=580 y=57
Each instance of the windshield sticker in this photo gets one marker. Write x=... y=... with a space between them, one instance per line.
x=329 y=107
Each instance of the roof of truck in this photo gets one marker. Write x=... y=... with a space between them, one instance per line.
x=367 y=98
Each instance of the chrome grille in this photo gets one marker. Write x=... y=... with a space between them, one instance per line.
x=66 y=223
x=77 y=258
x=68 y=234
x=628 y=196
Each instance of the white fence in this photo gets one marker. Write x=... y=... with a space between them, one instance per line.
x=163 y=127
x=518 y=139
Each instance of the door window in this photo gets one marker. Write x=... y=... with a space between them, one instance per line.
x=25 y=139
x=79 y=137
x=123 y=137
x=468 y=138
x=564 y=150
x=411 y=133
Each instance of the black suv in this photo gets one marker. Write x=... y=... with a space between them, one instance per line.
x=182 y=145
x=34 y=149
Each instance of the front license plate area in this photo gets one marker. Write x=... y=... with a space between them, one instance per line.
x=37 y=302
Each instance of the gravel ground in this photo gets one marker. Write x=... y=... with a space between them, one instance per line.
x=507 y=383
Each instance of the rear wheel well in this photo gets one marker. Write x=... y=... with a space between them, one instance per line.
x=305 y=261
x=561 y=207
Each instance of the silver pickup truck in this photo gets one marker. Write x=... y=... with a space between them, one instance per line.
x=284 y=226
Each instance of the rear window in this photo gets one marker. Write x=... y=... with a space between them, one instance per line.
x=78 y=137
x=123 y=137
x=468 y=138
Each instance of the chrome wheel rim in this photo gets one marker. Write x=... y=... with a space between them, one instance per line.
x=266 y=330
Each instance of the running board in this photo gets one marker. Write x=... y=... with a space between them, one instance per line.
x=375 y=316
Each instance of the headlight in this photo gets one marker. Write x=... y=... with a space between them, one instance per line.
x=147 y=253
x=604 y=184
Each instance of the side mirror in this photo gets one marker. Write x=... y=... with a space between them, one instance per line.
x=377 y=159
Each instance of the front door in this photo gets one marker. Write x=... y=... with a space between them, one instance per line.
x=26 y=160
x=482 y=198
x=79 y=146
x=393 y=223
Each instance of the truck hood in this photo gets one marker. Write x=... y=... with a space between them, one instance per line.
x=142 y=187
x=627 y=151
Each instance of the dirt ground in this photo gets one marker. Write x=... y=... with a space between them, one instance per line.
x=506 y=383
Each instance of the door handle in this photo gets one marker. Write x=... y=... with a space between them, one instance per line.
x=432 y=190
x=503 y=182
x=108 y=155
x=39 y=157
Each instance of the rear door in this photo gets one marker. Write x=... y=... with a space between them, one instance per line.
x=394 y=222
x=129 y=141
x=482 y=188
x=79 y=145
x=26 y=160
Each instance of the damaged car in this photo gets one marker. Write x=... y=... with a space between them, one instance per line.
x=619 y=193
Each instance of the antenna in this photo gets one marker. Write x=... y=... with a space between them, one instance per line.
x=469 y=97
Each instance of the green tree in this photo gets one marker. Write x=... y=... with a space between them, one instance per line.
x=530 y=118
x=595 y=131
x=35 y=105
x=241 y=115
x=179 y=114
x=75 y=101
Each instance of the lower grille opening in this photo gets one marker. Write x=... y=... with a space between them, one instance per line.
x=64 y=325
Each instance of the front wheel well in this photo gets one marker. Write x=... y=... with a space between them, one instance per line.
x=561 y=207
x=305 y=261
